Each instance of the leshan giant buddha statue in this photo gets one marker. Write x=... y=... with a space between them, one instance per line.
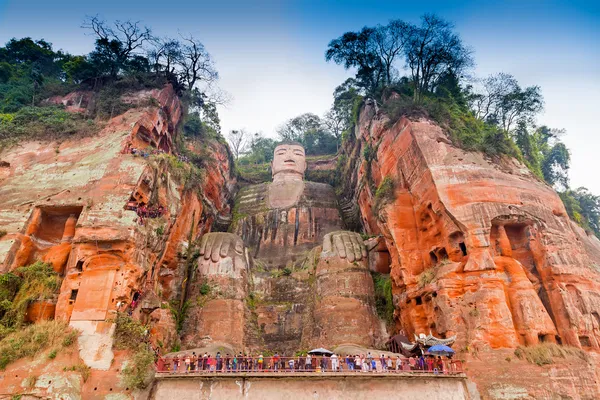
x=272 y=285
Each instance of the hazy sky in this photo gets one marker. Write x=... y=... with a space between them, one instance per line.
x=270 y=55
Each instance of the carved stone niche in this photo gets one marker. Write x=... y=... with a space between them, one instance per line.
x=48 y=236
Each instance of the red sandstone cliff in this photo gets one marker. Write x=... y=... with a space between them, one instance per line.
x=72 y=203
x=479 y=248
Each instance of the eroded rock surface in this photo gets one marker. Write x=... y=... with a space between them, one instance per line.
x=479 y=248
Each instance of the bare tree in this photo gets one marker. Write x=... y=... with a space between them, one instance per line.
x=164 y=54
x=195 y=63
x=239 y=140
x=501 y=100
x=336 y=121
x=119 y=42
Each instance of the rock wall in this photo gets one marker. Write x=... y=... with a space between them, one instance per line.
x=325 y=387
x=72 y=203
x=479 y=248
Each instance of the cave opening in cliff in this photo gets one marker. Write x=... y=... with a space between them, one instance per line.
x=442 y=254
x=418 y=300
x=585 y=341
x=73 y=295
x=463 y=248
x=53 y=221
x=433 y=257
x=79 y=265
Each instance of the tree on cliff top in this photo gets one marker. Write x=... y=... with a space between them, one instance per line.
x=118 y=47
x=429 y=51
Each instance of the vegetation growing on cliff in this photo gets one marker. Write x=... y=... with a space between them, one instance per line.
x=19 y=288
x=545 y=353
x=33 y=339
x=126 y=58
x=495 y=115
x=384 y=194
x=131 y=335
x=384 y=300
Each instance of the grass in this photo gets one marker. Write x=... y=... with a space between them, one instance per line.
x=254 y=173
x=138 y=374
x=545 y=353
x=19 y=288
x=130 y=334
x=427 y=276
x=465 y=130
x=84 y=370
x=44 y=122
x=384 y=194
x=33 y=339
x=179 y=313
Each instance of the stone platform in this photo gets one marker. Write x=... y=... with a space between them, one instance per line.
x=327 y=385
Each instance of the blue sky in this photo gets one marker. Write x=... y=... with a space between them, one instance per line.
x=270 y=54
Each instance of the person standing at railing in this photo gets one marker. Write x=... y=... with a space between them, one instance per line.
x=334 y=362
x=219 y=361
x=209 y=363
x=276 y=361
x=261 y=361
x=308 y=362
x=291 y=364
x=175 y=363
x=227 y=363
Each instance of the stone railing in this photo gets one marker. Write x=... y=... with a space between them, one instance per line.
x=316 y=364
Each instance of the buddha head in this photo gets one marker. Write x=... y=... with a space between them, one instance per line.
x=289 y=159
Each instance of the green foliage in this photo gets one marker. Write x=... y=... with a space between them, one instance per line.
x=52 y=354
x=253 y=173
x=329 y=177
x=17 y=289
x=160 y=230
x=260 y=152
x=138 y=372
x=310 y=131
x=129 y=333
x=37 y=122
x=31 y=340
x=251 y=301
x=205 y=289
x=583 y=207
x=384 y=194
x=544 y=353
x=384 y=300
x=180 y=313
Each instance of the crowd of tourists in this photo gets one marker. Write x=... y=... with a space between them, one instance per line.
x=145 y=211
x=192 y=362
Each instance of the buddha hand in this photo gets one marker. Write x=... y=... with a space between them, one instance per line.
x=345 y=244
x=217 y=245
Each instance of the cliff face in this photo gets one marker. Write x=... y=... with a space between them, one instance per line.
x=115 y=221
x=476 y=248
x=480 y=249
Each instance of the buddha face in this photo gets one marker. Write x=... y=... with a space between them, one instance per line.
x=289 y=158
